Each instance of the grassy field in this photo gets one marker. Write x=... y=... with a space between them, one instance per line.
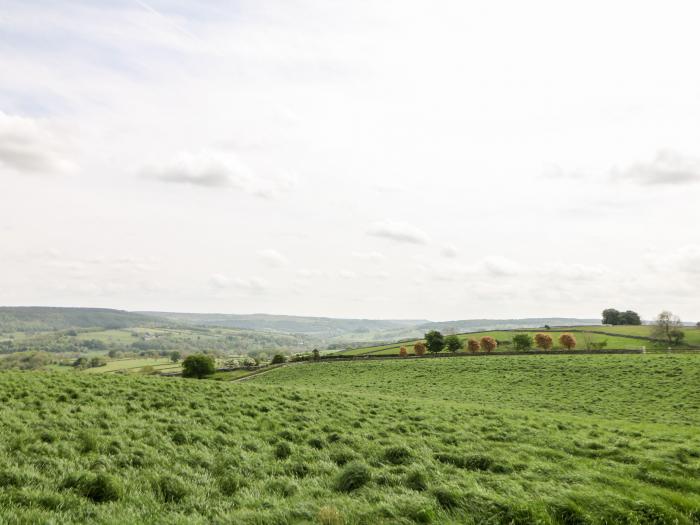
x=614 y=336
x=525 y=439
x=132 y=365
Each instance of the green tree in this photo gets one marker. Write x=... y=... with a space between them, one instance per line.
x=278 y=359
x=667 y=327
x=630 y=318
x=198 y=366
x=316 y=355
x=175 y=356
x=434 y=341
x=522 y=342
x=611 y=316
x=454 y=343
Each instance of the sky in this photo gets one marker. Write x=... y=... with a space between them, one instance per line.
x=375 y=159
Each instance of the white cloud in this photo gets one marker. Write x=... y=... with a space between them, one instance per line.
x=273 y=258
x=206 y=169
x=347 y=274
x=398 y=231
x=666 y=168
x=575 y=271
x=500 y=266
x=31 y=146
x=369 y=256
x=249 y=285
x=449 y=251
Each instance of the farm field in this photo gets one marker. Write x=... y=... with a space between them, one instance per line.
x=618 y=342
x=522 y=439
x=133 y=365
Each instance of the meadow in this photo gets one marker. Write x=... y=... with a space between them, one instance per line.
x=521 y=439
x=615 y=337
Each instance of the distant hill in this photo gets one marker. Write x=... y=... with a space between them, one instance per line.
x=322 y=327
x=471 y=325
x=45 y=319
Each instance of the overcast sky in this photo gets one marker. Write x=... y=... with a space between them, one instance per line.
x=376 y=159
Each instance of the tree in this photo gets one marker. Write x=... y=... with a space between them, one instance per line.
x=547 y=327
x=473 y=345
x=403 y=352
x=667 y=327
x=175 y=356
x=611 y=316
x=631 y=318
x=97 y=361
x=522 y=341
x=81 y=362
x=543 y=341
x=419 y=348
x=614 y=317
x=278 y=359
x=453 y=343
x=316 y=355
x=434 y=341
x=488 y=343
x=113 y=353
x=198 y=366
x=697 y=325
x=568 y=341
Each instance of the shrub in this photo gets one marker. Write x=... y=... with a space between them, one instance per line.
x=198 y=366
x=278 y=359
x=175 y=356
x=403 y=352
x=352 y=477
x=543 y=341
x=568 y=341
x=419 y=348
x=473 y=345
x=453 y=343
x=522 y=341
x=488 y=343
x=434 y=341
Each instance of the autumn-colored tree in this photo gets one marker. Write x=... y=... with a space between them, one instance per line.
x=403 y=352
x=419 y=348
x=568 y=341
x=473 y=345
x=488 y=343
x=543 y=341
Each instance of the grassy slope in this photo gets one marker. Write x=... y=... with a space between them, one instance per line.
x=615 y=341
x=547 y=439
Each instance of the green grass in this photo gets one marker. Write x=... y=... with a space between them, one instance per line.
x=522 y=439
x=131 y=365
x=618 y=342
x=613 y=335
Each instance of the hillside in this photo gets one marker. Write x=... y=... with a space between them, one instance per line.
x=551 y=440
x=322 y=327
x=44 y=319
x=587 y=337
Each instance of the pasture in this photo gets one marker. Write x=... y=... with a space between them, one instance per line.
x=615 y=337
x=525 y=439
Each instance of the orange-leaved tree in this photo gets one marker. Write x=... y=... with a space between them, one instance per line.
x=568 y=341
x=473 y=345
x=419 y=348
x=543 y=341
x=403 y=352
x=488 y=343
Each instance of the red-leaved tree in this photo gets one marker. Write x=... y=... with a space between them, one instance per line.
x=403 y=352
x=568 y=341
x=419 y=348
x=544 y=341
x=488 y=343
x=473 y=345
